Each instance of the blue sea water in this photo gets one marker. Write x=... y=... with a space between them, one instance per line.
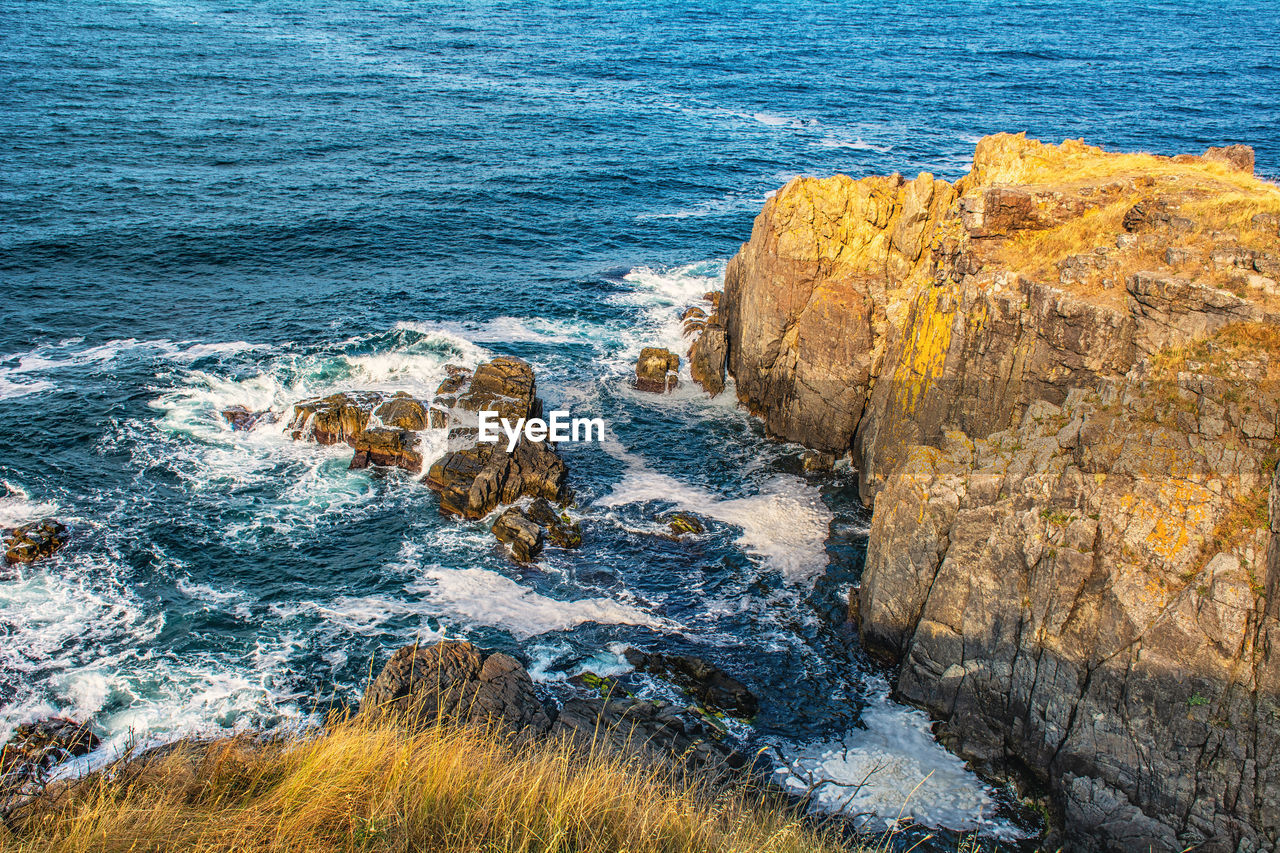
x=221 y=203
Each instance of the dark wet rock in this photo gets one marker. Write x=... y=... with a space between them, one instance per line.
x=711 y=686
x=1238 y=157
x=36 y=748
x=708 y=356
x=336 y=418
x=563 y=531
x=657 y=370
x=683 y=523
x=389 y=448
x=815 y=461
x=403 y=412
x=456 y=682
x=604 y=685
x=34 y=541
x=522 y=534
x=242 y=418
x=473 y=481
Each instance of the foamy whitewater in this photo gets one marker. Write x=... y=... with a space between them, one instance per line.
x=248 y=204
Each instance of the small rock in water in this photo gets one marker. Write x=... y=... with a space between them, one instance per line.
x=243 y=418
x=816 y=461
x=657 y=370
x=563 y=531
x=34 y=541
x=682 y=523
x=711 y=686
x=520 y=532
x=36 y=748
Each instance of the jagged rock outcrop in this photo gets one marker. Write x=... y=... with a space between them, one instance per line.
x=387 y=447
x=457 y=682
x=522 y=534
x=334 y=419
x=711 y=686
x=36 y=748
x=1057 y=381
x=34 y=541
x=657 y=370
x=473 y=480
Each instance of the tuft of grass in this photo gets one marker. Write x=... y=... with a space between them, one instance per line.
x=376 y=786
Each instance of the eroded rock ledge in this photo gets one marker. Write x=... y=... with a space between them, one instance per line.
x=1057 y=378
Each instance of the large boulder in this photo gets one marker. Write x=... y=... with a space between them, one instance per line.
x=520 y=533
x=504 y=385
x=388 y=447
x=34 y=541
x=473 y=481
x=334 y=419
x=707 y=358
x=657 y=370
x=403 y=412
x=456 y=682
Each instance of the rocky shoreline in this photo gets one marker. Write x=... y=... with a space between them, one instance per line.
x=1056 y=379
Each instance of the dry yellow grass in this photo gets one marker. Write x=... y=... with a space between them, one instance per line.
x=1217 y=199
x=365 y=786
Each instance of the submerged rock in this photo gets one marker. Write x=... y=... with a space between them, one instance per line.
x=242 y=418
x=36 y=748
x=34 y=541
x=714 y=688
x=521 y=533
x=563 y=531
x=682 y=523
x=657 y=370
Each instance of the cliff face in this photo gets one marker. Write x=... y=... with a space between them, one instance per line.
x=1058 y=380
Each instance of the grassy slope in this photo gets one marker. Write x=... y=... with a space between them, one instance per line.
x=376 y=787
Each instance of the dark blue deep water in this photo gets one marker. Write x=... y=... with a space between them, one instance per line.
x=210 y=204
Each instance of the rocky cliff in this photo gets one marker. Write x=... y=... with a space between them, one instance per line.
x=1057 y=379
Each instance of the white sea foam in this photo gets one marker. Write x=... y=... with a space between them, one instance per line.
x=16 y=506
x=489 y=598
x=894 y=768
x=785 y=524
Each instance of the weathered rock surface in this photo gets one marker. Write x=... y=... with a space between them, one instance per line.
x=334 y=419
x=524 y=536
x=474 y=479
x=242 y=418
x=711 y=686
x=36 y=748
x=403 y=412
x=1057 y=379
x=657 y=370
x=34 y=541
x=472 y=482
x=456 y=682
x=388 y=447
x=563 y=531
